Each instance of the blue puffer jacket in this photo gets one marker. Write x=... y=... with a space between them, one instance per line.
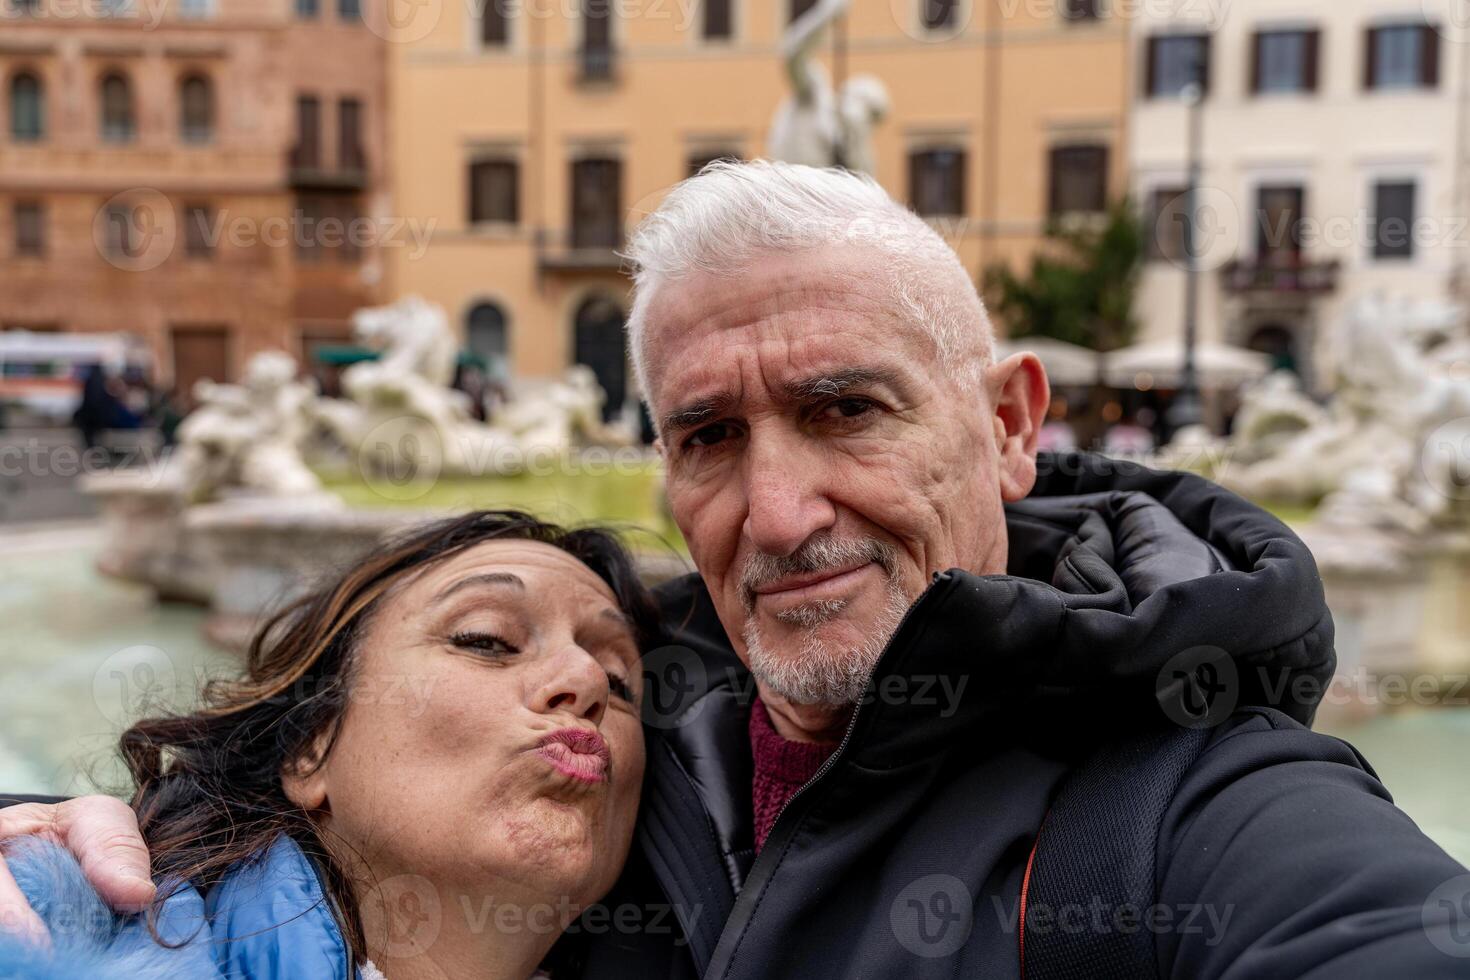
x=268 y=919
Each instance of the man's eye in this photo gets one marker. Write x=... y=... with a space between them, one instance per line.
x=708 y=436
x=486 y=643
x=848 y=408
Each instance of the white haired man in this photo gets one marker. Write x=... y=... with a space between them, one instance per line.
x=941 y=634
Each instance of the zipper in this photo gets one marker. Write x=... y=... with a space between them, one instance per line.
x=832 y=760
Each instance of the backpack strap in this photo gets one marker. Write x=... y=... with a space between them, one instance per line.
x=1094 y=858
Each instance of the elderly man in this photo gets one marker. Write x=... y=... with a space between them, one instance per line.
x=921 y=714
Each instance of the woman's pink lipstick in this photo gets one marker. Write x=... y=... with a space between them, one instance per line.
x=577 y=752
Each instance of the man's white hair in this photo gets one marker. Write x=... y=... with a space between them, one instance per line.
x=729 y=213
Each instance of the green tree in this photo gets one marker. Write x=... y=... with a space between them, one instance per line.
x=1080 y=288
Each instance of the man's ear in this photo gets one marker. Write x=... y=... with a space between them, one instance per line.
x=1021 y=395
x=658 y=445
x=305 y=780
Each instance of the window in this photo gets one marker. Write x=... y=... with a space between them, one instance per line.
x=495 y=191
x=196 y=9
x=349 y=10
x=718 y=23
x=196 y=110
x=307 y=9
x=307 y=153
x=1079 y=10
x=1284 y=61
x=939 y=15
x=1279 y=215
x=30 y=229
x=597 y=55
x=937 y=181
x=1393 y=219
x=494 y=25
x=199 y=237
x=698 y=161
x=350 y=156
x=1403 y=56
x=799 y=7
x=597 y=210
x=26 y=7
x=117 y=110
x=1175 y=61
x=1079 y=180
x=1168 y=214
x=27 y=108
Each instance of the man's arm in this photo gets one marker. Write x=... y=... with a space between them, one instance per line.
x=101 y=831
x=1282 y=855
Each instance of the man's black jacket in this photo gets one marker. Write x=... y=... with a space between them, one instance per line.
x=1281 y=854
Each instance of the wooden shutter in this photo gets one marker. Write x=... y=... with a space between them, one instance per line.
x=1311 y=59
x=1429 y=56
x=1370 y=58
x=1204 y=65
x=1150 y=66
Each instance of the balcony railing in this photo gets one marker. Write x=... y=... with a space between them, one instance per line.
x=1297 y=276
x=306 y=169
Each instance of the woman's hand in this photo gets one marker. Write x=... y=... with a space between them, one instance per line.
x=101 y=832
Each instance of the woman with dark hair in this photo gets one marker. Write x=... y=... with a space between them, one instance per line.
x=449 y=730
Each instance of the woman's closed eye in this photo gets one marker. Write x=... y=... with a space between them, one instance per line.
x=487 y=644
x=620 y=687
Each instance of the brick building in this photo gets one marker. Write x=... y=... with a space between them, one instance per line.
x=201 y=174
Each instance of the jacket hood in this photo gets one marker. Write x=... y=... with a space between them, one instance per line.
x=1140 y=576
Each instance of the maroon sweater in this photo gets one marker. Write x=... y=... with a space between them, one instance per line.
x=781 y=768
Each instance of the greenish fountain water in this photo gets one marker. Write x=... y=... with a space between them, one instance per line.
x=81 y=656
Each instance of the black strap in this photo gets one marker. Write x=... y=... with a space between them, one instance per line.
x=1094 y=861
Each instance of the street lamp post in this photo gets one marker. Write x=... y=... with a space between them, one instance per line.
x=1186 y=407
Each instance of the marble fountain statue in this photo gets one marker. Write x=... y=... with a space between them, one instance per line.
x=237 y=517
x=1386 y=465
x=815 y=125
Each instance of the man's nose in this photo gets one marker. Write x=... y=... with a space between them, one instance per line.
x=786 y=501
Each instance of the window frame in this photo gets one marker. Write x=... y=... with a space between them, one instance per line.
x=1153 y=48
x=1054 y=209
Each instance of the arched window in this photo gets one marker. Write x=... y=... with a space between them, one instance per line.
x=117 y=110
x=485 y=332
x=196 y=109
x=599 y=343
x=27 y=108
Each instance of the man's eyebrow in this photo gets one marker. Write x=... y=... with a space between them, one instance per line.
x=830 y=383
x=695 y=413
x=502 y=579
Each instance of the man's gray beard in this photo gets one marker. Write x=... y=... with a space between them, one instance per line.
x=817 y=674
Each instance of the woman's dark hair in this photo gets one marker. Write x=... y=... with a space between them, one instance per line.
x=209 y=783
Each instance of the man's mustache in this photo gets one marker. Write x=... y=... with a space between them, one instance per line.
x=816 y=554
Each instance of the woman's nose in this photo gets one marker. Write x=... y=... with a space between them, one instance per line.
x=577 y=685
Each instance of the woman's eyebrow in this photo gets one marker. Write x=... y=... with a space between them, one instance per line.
x=501 y=579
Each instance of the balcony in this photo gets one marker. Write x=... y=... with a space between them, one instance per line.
x=305 y=170
x=1295 y=277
